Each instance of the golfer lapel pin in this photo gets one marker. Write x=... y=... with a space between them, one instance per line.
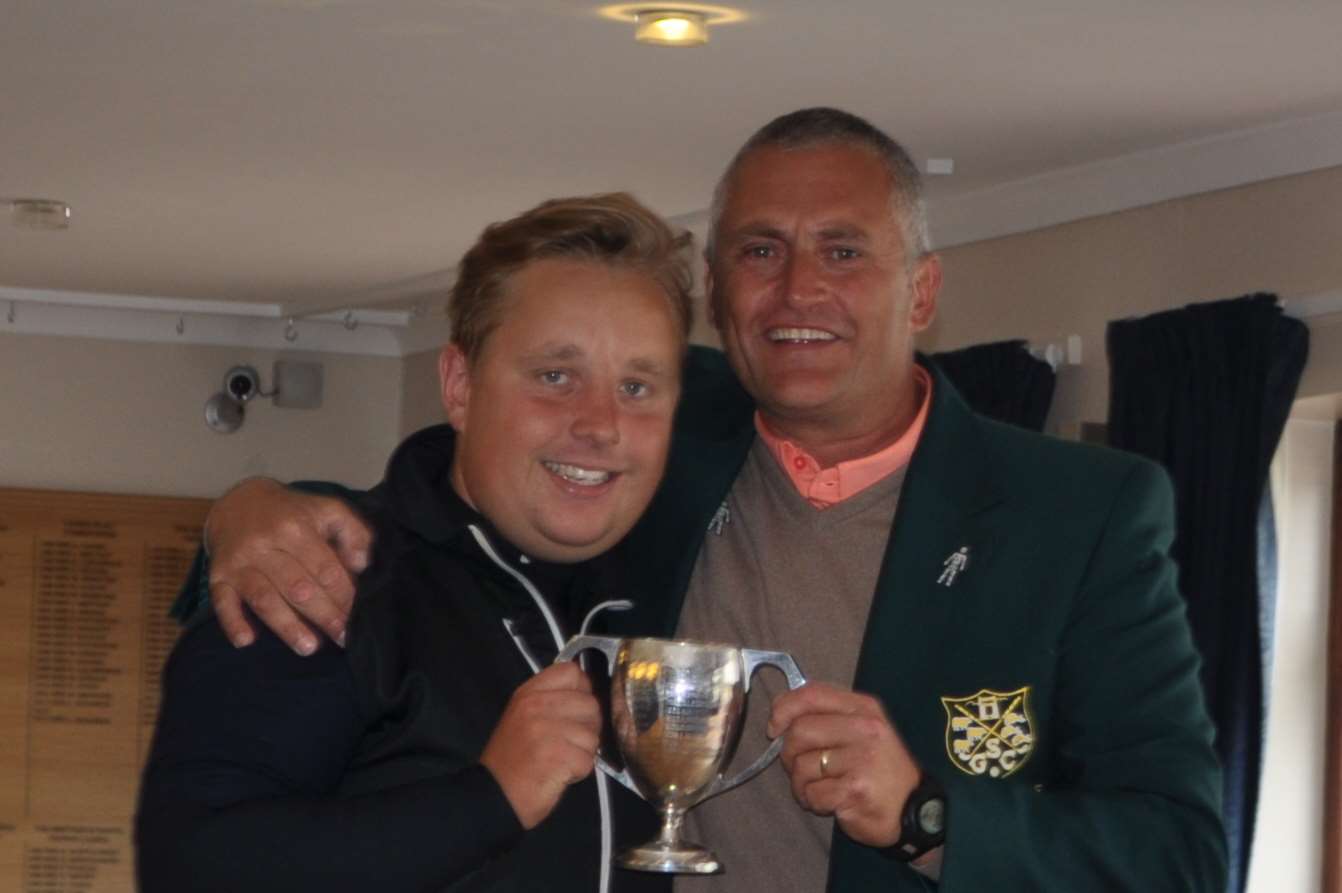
x=721 y=518
x=954 y=564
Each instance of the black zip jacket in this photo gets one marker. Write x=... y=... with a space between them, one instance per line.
x=358 y=769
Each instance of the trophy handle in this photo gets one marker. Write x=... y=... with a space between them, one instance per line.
x=752 y=660
x=609 y=647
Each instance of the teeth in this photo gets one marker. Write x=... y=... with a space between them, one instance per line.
x=800 y=335
x=586 y=477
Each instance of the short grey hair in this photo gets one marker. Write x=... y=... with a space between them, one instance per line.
x=821 y=126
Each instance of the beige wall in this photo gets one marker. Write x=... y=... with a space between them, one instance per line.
x=420 y=406
x=85 y=414
x=1283 y=236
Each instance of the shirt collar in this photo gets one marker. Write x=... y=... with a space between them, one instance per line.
x=825 y=487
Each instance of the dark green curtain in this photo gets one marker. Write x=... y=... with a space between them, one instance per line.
x=1002 y=381
x=1205 y=390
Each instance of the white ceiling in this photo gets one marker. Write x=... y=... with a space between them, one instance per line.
x=326 y=153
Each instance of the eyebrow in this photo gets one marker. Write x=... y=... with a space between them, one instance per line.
x=560 y=352
x=827 y=232
x=843 y=231
x=757 y=231
x=553 y=352
x=648 y=366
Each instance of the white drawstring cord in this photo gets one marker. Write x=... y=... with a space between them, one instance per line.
x=602 y=793
x=522 y=646
x=488 y=548
x=615 y=604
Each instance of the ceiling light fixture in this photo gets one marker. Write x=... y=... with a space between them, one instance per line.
x=671 y=28
x=38 y=213
x=674 y=24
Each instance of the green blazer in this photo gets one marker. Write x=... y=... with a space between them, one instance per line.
x=1026 y=637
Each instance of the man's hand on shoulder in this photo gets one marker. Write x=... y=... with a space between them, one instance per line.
x=289 y=556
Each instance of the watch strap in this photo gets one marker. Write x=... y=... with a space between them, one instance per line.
x=914 y=838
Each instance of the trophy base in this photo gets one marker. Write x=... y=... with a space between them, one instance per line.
x=686 y=858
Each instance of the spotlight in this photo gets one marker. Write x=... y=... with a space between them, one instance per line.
x=671 y=28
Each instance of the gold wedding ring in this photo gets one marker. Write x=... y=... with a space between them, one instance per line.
x=824 y=763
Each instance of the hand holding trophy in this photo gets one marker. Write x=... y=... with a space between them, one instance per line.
x=676 y=711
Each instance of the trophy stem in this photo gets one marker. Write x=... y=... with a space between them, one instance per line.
x=673 y=820
x=669 y=853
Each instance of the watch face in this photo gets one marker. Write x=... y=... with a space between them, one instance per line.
x=932 y=816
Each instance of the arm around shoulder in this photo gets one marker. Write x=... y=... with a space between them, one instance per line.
x=289 y=553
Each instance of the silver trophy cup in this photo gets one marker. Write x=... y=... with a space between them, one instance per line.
x=676 y=712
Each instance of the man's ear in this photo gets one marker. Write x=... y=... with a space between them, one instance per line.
x=925 y=286
x=454 y=384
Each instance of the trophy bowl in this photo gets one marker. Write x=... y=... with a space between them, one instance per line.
x=675 y=709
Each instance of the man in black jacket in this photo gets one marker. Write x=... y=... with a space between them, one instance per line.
x=434 y=752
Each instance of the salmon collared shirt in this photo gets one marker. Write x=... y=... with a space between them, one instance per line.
x=825 y=487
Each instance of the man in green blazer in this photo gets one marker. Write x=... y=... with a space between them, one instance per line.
x=1067 y=602
x=1007 y=692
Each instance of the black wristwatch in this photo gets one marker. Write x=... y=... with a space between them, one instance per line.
x=923 y=822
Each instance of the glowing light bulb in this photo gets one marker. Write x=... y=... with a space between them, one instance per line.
x=671 y=28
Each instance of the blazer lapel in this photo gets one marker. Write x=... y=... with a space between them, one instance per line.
x=939 y=538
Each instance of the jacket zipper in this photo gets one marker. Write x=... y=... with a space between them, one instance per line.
x=602 y=789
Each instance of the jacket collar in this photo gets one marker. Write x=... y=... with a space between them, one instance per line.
x=418 y=496
x=952 y=468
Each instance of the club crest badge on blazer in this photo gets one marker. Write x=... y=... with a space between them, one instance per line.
x=989 y=732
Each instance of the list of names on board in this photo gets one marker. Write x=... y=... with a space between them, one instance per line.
x=85 y=585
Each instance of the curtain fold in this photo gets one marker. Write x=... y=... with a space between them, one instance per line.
x=1205 y=390
x=1002 y=381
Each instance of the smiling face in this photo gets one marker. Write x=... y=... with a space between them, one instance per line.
x=564 y=417
x=815 y=298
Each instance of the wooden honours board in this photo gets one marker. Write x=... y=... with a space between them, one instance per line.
x=85 y=584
